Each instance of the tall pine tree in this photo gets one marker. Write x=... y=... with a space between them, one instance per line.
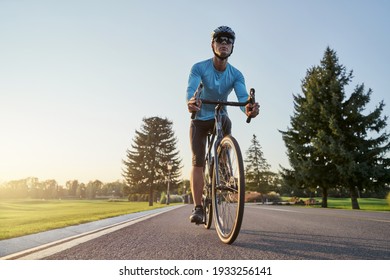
x=257 y=171
x=330 y=142
x=146 y=163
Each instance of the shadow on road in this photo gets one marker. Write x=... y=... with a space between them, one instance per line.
x=309 y=246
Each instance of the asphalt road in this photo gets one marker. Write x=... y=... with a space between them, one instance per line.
x=268 y=232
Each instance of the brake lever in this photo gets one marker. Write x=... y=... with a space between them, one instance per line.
x=251 y=101
x=197 y=97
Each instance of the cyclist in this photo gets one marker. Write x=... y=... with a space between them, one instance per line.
x=219 y=78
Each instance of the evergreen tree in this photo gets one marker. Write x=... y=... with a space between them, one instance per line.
x=146 y=163
x=257 y=171
x=329 y=143
x=359 y=146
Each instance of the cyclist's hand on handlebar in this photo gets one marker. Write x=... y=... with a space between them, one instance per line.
x=194 y=105
x=252 y=110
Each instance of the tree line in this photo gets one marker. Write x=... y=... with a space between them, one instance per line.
x=32 y=187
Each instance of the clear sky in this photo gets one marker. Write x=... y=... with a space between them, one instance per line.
x=77 y=77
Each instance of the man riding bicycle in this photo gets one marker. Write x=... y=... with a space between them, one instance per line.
x=219 y=78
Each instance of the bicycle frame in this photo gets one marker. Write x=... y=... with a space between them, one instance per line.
x=215 y=137
x=217 y=133
x=217 y=116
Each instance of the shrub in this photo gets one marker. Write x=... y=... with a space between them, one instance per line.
x=135 y=197
x=173 y=198
x=273 y=197
x=310 y=201
x=253 y=197
x=115 y=200
x=293 y=199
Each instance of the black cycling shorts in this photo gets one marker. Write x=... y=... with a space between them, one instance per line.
x=198 y=136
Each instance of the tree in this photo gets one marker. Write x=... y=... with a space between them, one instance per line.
x=72 y=186
x=146 y=163
x=330 y=142
x=93 y=189
x=257 y=171
x=359 y=147
x=114 y=189
x=50 y=189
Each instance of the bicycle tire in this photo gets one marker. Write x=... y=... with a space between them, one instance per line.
x=207 y=193
x=229 y=193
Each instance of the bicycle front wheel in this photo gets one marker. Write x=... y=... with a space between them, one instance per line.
x=228 y=190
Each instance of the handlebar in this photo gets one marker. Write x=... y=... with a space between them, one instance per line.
x=224 y=103
x=251 y=100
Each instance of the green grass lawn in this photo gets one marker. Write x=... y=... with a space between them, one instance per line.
x=369 y=204
x=25 y=216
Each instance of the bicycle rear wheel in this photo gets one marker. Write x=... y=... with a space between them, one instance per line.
x=229 y=191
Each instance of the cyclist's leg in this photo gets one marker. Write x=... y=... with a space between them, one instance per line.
x=196 y=182
x=198 y=136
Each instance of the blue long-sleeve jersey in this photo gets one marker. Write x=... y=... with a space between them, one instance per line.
x=216 y=86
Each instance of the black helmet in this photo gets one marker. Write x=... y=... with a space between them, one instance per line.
x=223 y=31
x=220 y=32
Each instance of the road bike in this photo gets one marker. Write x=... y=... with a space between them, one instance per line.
x=223 y=195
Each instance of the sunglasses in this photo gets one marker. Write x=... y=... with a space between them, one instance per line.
x=222 y=39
